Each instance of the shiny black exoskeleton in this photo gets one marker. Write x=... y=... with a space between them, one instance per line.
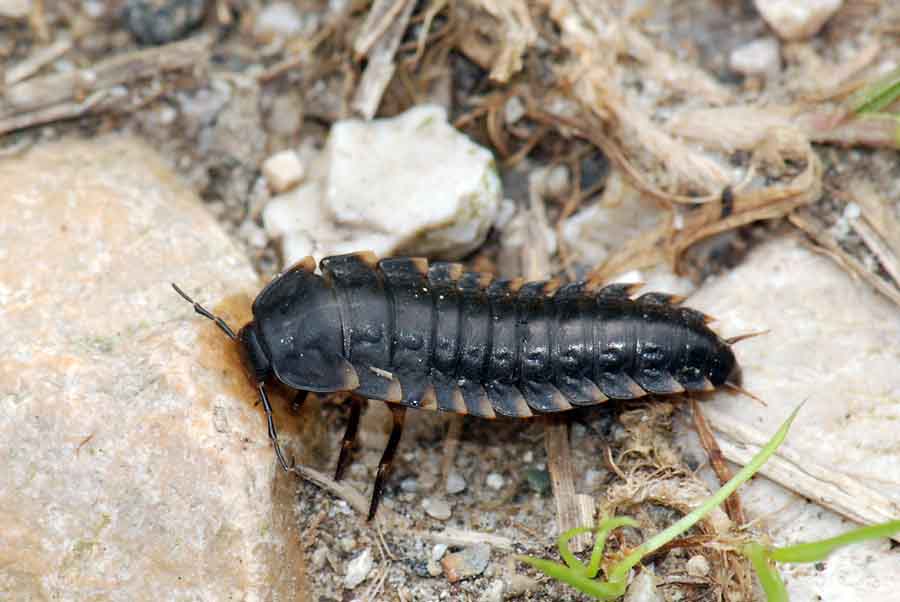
x=436 y=337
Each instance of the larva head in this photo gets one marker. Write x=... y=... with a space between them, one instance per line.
x=722 y=367
x=255 y=358
x=253 y=354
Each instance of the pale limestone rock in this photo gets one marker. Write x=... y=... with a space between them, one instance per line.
x=283 y=171
x=797 y=19
x=410 y=185
x=832 y=342
x=135 y=466
x=759 y=57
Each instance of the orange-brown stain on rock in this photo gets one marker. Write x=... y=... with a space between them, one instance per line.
x=217 y=353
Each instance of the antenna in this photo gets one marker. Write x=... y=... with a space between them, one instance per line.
x=206 y=313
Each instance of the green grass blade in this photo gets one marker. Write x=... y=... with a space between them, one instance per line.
x=604 y=528
x=819 y=550
x=769 y=577
x=598 y=590
x=563 y=545
x=878 y=96
x=620 y=571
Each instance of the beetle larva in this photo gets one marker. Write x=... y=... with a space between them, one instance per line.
x=438 y=338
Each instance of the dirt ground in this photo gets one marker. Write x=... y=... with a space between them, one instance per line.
x=642 y=90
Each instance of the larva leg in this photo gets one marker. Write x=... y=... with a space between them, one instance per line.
x=384 y=467
x=356 y=403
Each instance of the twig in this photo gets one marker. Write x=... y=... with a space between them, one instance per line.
x=60 y=112
x=347 y=493
x=733 y=504
x=51 y=90
x=37 y=60
x=381 y=51
x=879 y=248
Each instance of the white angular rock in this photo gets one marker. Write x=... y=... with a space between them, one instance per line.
x=283 y=171
x=797 y=19
x=134 y=464
x=759 y=57
x=358 y=569
x=407 y=185
x=832 y=341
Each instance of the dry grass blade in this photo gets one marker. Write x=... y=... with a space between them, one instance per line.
x=806 y=222
x=667 y=243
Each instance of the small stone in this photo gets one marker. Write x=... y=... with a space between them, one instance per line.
x=437 y=508
x=528 y=457
x=513 y=110
x=455 y=482
x=538 y=480
x=494 y=592
x=409 y=485
x=470 y=562
x=794 y=20
x=347 y=544
x=759 y=57
x=495 y=481
x=277 y=20
x=358 y=569
x=643 y=588
x=283 y=171
x=438 y=551
x=519 y=585
x=434 y=568
x=698 y=566
x=162 y=21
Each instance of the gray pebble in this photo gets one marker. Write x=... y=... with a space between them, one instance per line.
x=437 y=508
x=495 y=481
x=455 y=482
x=470 y=562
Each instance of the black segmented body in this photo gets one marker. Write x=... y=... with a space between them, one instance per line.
x=438 y=338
